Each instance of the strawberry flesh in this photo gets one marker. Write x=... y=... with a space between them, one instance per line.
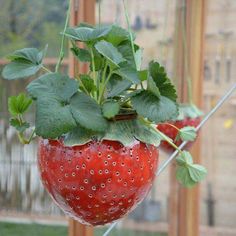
x=171 y=132
x=98 y=182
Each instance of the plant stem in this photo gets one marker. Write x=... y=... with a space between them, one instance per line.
x=173 y=126
x=162 y=135
x=130 y=32
x=46 y=69
x=102 y=81
x=31 y=136
x=168 y=141
x=94 y=73
x=104 y=84
x=61 y=55
x=81 y=83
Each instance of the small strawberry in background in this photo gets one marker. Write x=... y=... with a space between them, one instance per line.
x=182 y=129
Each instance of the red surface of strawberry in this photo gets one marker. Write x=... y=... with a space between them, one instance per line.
x=98 y=182
x=171 y=132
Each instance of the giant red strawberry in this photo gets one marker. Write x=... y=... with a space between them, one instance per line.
x=98 y=182
x=172 y=132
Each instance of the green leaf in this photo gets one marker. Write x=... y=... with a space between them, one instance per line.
x=117 y=35
x=122 y=131
x=32 y=55
x=110 y=108
x=109 y=52
x=80 y=136
x=18 y=105
x=187 y=133
x=128 y=73
x=161 y=80
x=155 y=109
x=21 y=127
x=188 y=110
x=126 y=50
x=197 y=172
x=143 y=75
x=184 y=158
x=24 y=63
x=147 y=134
x=53 y=85
x=183 y=176
x=53 y=117
x=53 y=111
x=86 y=83
x=151 y=86
x=81 y=53
x=87 y=112
x=117 y=85
x=19 y=70
x=188 y=173
x=87 y=34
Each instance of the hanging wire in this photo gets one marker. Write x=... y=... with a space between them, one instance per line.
x=172 y=157
x=186 y=55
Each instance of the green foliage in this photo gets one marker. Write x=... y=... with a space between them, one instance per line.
x=156 y=109
x=188 y=110
x=53 y=112
x=18 y=105
x=24 y=63
x=117 y=35
x=86 y=83
x=113 y=56
x=110 y=108
x=161 y=80
x=80 y=136
x=82 y=54
x=187 y=133
x=187 y=172
x=87 y=34
x=18 y=125
x=87 y=112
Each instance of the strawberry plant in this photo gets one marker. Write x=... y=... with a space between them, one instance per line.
x=98 y=142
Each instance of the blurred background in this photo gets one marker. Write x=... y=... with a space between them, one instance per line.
x=25 y=207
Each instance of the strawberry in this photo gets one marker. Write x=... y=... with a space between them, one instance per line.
x=98 y=182
x=171 y=132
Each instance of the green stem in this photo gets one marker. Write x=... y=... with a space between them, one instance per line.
x=94 y=72
x=173 y=126
x=46 y=69
x=130 y=32
x=22 y=138
x=61 y=55
x=104 y=87
x=168 y=141
x=81 y=83
x=186 y=62
x=101 y=83
x=162 y=135
x=31 y=136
